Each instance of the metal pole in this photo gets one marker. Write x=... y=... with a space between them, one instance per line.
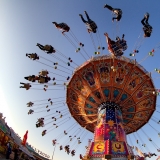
x=54 y=151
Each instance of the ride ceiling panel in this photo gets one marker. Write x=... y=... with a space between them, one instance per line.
x=129 y=102
x=107 y=93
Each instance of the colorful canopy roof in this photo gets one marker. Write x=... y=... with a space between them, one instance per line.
x=120 y=80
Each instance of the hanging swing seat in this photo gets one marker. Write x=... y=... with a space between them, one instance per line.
x=64 y=26
x=117 y=48
x=91 y=25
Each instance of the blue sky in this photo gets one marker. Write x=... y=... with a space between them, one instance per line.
x=26 y=23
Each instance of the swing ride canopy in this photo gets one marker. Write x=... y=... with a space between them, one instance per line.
x=107 y=83
x=119 y=80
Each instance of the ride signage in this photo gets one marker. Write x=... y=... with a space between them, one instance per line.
x=41 y=153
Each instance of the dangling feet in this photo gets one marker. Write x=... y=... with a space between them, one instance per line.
x=80 y=15
x=117 y=38
x=85 y=12
x=106 y=34
x=105 y=6
x=146 y=16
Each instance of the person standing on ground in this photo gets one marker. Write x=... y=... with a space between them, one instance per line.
x=9 y=150
x=16 y=153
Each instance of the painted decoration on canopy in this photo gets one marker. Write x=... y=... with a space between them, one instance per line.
x=122 y=71
x=127 y=129
x=142 y=115
x=79 y=86
x=115 y=93
x=125 y=120
x=136 y=79
x=128 y=102
x=98 y=95
x=147 y=103
x=131 y=109
x=73 y=96
x=91 y=99
x=144 y=90
x=106 y=92
x=88 y=75
x=89 y=112
x=124 y=97
x=104 y=71
x=88 y=106
x=136 y=123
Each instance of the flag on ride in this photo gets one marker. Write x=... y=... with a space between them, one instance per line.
x=25 y=138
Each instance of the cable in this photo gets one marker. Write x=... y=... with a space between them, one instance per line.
x=138 y=143
x=150 y=140
x=47 y=99
x=143 y=142
x=93 y=41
